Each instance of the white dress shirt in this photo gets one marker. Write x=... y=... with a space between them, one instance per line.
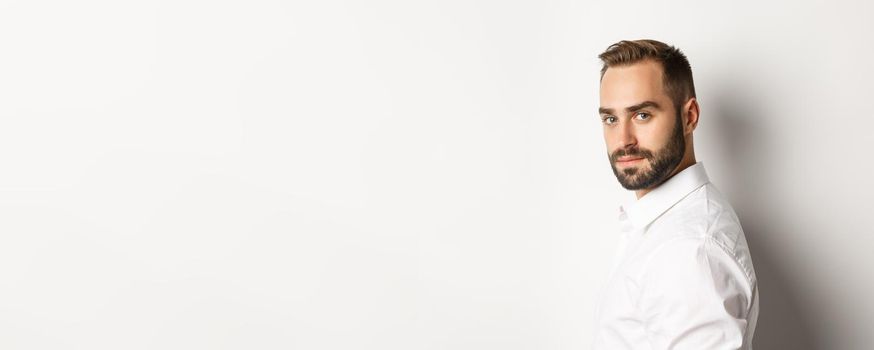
x=682 y=277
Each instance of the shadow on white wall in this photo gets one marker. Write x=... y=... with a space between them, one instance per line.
x=784 y=322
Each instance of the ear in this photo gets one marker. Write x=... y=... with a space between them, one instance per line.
x=691 y=112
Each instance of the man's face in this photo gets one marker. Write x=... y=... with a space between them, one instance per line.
x=642 y=129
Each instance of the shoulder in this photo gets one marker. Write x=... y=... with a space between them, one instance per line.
x=687 y=267
x=703 y=213
x=704 y=224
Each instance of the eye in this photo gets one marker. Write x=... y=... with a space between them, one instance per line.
x=608 y=120
x=642 y=115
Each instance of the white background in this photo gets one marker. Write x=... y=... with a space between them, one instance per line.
x=403 y=175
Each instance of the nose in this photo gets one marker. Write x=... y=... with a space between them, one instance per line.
x=627 y=136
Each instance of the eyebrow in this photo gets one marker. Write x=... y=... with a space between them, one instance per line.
x=633 y=108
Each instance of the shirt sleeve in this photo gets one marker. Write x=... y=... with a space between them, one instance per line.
x=694 y=296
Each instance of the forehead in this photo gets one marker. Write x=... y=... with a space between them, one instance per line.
x=628 y=85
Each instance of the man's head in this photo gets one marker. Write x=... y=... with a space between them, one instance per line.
x=649 y=109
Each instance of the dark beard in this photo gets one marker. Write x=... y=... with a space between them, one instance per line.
x=662 y=163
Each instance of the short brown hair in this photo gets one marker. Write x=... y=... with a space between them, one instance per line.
x=677 y=71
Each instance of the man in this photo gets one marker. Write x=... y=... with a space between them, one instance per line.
x=683 y=277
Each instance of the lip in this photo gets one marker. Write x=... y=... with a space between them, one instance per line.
x=627 y=160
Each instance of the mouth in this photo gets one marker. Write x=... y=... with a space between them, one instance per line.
x=628 y=160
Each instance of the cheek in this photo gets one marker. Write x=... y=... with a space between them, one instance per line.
x=610 y=140
x=655 y=136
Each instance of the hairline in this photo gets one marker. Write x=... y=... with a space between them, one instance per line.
x=665 y=86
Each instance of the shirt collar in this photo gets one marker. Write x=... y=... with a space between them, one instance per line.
x=645 y=210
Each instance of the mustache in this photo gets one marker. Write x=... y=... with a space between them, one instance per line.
x=631 y=152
